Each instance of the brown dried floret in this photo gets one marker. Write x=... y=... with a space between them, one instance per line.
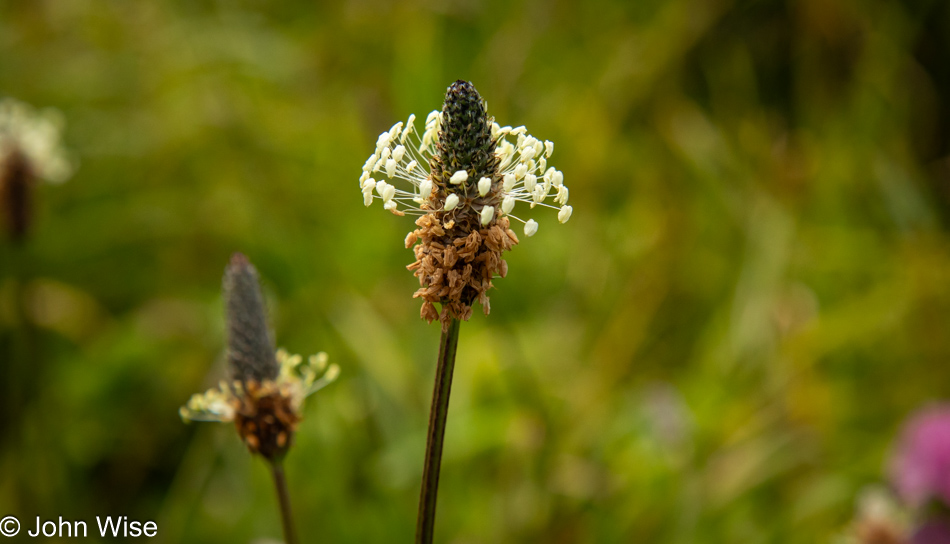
x=455 y=268
x=265 y=419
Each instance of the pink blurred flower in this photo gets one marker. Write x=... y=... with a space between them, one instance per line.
x=920 y=469
x=933 y=532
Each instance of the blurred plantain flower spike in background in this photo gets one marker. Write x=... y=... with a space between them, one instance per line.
x=266 y=392
x=265 y=395
x=30 y=149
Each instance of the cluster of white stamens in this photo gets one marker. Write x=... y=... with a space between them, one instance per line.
x=36 y=134
x=402 y=154
x=298 y=379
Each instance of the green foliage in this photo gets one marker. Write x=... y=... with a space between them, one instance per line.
x=751 y=295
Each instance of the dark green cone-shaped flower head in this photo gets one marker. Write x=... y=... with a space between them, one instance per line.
x=250 y=348
x=465 y=141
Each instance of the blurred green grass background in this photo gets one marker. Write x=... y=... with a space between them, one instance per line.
x=751 y=295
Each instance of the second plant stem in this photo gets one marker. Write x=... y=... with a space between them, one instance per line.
x=438 y=413
x=287 y=519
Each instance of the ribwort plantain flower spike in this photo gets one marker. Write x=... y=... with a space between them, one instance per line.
x=477 y=172
x=30 y=150
x=265 y=395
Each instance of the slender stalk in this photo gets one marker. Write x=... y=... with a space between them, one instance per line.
x=290 y=537
x=438 y=413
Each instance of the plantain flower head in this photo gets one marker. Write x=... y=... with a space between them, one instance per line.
x=463 y=177
x=264 y=396
x=30 y=149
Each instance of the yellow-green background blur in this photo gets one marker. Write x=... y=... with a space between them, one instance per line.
x=753 y=292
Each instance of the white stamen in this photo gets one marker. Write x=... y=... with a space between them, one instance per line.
x=382 y=141
x=509 y=182
x=530 y=182
x=508 y=204
x=564 y=214
x=520 y=171
x=399 y=152
x=388 y=193
x=390 y=167
x=484 y=185
x=530 y=227
x=458 y=177
x=412 y=164
x=548 y=148
x=425 y=188
x=370 y=162
x=451 y=202
x=488 y=213
x=538 y=194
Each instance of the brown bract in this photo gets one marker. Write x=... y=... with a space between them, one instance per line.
x=265 y=419
x=455 y=265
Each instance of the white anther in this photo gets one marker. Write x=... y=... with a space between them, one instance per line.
x=548 y=148
x=370 y=162
x=425 y=188
x=538 y=194
x=451 y=202
x=530 y=227
x=484 y=185
x=390 y=167
x=388 y=193
x=382 y=141
x=562 y=195
x=508 y=204
x=412 y=164
x=557 y=178
x=399 y=153
x=458 y=177
x=488 y=213
x=530 y=182
x=509 y=182
x=520 y=171
x=564 y=214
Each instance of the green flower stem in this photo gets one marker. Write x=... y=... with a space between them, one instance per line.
x=438 y=413
x=290 y=537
